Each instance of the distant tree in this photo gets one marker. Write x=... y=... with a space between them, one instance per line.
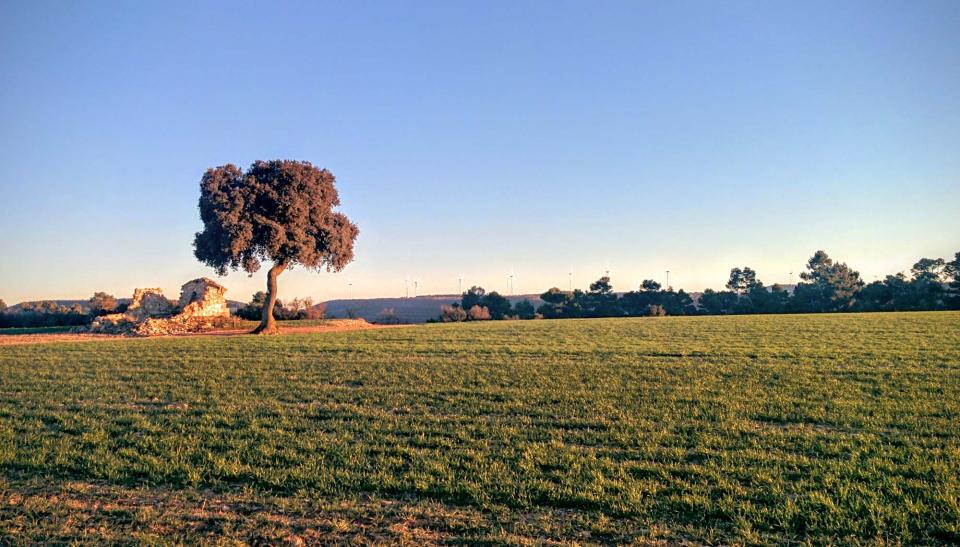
x=388 y=316
x=829 y=286
x=601 y=300
x=677 y=303
x=524 y=309
x=650 y=285
x=952 y=272
x=473 y=297
x=253 y=310
x=102 y=303
x=928 y=269
x=875 y=296
x=635 y=303
x=478 y=313
x=718 y=303
x=774 y=299
x=743 y=280
x=452 y=314
x=556 y=303
x=279 y=211
x=498 y=306
x=927 y=285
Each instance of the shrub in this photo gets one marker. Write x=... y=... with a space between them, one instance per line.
x=656 y=310
x=452 y=314
x=478 y=313
x=388 y=316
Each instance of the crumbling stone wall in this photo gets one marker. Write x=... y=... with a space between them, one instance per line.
x=149 y=303
x=201 y=307
x=203 y=297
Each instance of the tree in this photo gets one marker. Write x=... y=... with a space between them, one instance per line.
x=650 y=285
x=102 y=303
x=635 y=303
x=718 y=303
x=473 y=297
x=498 y=305
x=743 y=280
x=523 y=309
x=253 y=310
x=830 y=286
x=952 y=271
x=927 y=285
x=279 y=211
x=928 y=269
x=601 y=300
x=556 y=303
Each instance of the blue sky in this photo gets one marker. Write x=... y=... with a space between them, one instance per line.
x=478 y=137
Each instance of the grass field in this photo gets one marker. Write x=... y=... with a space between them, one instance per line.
x=763 y=429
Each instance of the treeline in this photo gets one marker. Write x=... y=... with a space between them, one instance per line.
x=825 y=286
x=49 y=313
x=298 y=308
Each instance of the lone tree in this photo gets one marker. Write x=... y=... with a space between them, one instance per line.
x=279 y=211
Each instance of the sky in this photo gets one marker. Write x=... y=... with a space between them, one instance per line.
x=483 y=138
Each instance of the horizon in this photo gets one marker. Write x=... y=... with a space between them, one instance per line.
x=479 y=140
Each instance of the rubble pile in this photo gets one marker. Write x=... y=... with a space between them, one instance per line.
x=202 y=307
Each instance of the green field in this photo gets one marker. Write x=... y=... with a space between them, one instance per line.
x=760 y=429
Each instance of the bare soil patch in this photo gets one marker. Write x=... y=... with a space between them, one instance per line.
x=335 y=325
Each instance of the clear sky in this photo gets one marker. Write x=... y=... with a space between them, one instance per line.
x=478 y=137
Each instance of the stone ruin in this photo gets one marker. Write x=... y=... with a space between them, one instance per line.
x=201 y=307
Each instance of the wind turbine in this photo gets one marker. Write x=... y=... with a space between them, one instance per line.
x=667 y=286
x=460 y=279
x=406 y=286
x=570 y=278
x=350 y=287
x=416 y=285
x=510 y=277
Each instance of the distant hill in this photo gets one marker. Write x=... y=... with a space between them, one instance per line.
x=85 y=304
x=410 y=310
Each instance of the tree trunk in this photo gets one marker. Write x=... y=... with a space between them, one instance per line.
x=268 y=325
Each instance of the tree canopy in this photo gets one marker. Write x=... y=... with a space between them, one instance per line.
x=280 y=211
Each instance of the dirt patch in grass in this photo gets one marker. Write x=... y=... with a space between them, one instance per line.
x=333 y=325
x=43 y=511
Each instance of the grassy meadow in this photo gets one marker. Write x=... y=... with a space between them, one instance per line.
x=816 y=429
